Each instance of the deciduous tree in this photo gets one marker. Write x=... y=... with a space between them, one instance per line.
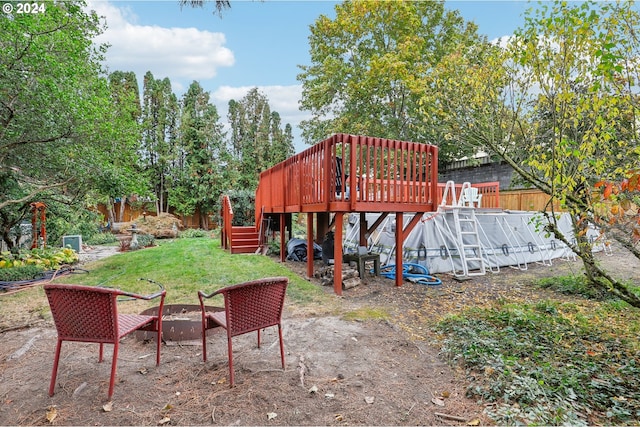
x=365 y=62
x=59 y=130
x=559 y=104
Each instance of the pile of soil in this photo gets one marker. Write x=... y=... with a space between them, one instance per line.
x=368 y=371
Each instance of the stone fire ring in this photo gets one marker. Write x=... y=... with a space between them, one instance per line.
x=177 y=326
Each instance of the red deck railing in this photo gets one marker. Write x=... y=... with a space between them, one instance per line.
x=490 y=192
x=348 y=173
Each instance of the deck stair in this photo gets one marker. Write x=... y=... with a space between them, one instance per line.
x=246 y=239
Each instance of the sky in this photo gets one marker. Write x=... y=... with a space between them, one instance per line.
x=253 y=44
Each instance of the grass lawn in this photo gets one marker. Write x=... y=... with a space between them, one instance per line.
x=183 y=266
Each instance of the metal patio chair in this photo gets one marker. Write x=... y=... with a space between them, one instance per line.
x=248 y=307
x=90 y=314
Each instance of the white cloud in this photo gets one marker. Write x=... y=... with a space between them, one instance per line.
x=177 y=53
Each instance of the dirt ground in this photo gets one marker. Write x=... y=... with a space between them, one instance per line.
x=338 y=372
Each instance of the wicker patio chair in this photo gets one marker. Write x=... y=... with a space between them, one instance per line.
x=248 y=307
x=90 y=314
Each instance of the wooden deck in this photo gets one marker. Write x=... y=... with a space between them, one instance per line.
x=347 y=174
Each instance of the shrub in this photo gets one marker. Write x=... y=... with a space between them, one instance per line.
x=146 y=240
x=28 y=264
x=102 y=239
x=191 y=233
x=24 y=272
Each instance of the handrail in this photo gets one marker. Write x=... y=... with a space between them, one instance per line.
x=226 y=235
x=353 y=173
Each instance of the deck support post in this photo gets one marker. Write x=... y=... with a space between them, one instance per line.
x=337 y=254
x=363 y=229
x=399 y=246
x=283 y=239
x=310 y=244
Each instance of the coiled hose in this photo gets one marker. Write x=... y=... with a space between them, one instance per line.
x=413 y=272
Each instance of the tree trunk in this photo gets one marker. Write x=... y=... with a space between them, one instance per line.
x=123 y=202
x=597 y=276
x=111 y=215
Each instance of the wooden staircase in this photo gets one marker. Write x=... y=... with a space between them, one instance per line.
x=238 y=239
x=246 y=239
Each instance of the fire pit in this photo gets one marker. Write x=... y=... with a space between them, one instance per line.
x=180 y=323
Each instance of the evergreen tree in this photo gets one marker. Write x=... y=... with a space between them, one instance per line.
x=257 y=139
x=198 y=176
x=159 y=134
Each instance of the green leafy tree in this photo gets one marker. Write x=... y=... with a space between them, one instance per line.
x=365 y=62
x=559 y=104
x=198 y=175
x=59 y=130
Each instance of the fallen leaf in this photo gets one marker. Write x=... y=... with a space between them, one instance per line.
x=271 y=415
x=446 y=394
x=338 y=417
x=164 y=421
x=369 y=399
x=474 y=422
x=143 y=371
x=437 y=401
x=52 y=413
x=167 y=407
x=222 y=380
x=108 y=407
x=313 y=389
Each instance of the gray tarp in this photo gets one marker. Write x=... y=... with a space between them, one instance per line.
x=508 y=238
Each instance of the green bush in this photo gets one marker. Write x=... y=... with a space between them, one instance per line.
x=146 y=240
x=191 y=233
x=48 y=258
x=101 y=239
x=63 y=221
x=243 y=204
x=25 y=272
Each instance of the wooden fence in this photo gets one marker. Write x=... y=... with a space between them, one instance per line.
x=525 y=200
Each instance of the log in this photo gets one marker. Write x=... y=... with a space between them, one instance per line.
x=351 y=283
